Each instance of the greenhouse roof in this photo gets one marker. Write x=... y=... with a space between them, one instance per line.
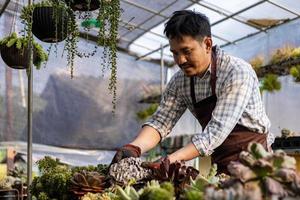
x=142 y=22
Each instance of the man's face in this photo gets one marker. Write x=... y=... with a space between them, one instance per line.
x=192 y=56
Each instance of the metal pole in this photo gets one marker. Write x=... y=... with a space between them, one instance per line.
x=161 y=69
x=29 y=114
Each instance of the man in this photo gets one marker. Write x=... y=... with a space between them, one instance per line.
x=220 y=90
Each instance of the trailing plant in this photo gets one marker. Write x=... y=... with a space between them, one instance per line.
x=270 y=83
x=144 y=114
x=257 y=62
x=295 y=53
x=109 y=14
x=60 y=10
x=21 y=43
x=295 y=72
x=281 y=54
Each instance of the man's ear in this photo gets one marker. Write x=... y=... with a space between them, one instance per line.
x=208 y=43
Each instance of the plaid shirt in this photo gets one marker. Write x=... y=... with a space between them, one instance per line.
x=239 y=102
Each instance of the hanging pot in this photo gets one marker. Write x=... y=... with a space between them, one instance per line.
x=16 y=58
x=83 y=5
x=45 y=27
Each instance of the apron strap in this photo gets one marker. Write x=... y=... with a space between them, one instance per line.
x=213 y=77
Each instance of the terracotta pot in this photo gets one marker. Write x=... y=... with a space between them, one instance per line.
x=15 y=58
x=44 y=25
x=82 y=5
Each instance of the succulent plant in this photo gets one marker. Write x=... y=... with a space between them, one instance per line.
x=128 y=169
x=196 y=188
x=156 y=191
x=177 y=173
x=128 y=193
x=267 y=174
x=85 y=181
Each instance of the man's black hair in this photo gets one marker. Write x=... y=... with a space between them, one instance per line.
x=187 y=23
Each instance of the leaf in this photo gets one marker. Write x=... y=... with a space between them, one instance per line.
x=257 y=150
x=19 y=44
x=212 y=171
x=262 y=168
x=273 y=187
x=11 y=42
x=247 y=158
x=122 y=194
x=285 y=175
x=240 y=171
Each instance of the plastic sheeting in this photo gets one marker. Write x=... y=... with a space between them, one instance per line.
x=75 y=112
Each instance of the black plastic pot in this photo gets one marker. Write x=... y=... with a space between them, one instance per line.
x=15 y=58
x=44 y=26
x=9 y=195
x=82 y=5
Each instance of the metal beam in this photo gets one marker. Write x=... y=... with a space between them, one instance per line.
x=283 y=7
x=252 y=34
x=226 y=15
x=215 y=23
x=150 y=19
x=138 y=27
x=144 y=8
x=238 y=12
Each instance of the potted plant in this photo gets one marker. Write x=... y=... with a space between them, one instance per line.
x=108 y=18
x=14 y=52
x=53 y=21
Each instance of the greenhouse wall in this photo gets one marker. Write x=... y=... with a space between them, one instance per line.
x=75 y=112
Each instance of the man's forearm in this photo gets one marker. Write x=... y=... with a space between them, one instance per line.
x=147 y=138
x=186 y=153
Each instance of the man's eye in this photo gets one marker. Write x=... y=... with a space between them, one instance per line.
x=187 y=52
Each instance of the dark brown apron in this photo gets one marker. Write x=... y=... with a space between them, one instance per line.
x=240 y=136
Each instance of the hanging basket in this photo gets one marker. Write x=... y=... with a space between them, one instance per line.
x=83 y=5
x=16 y=58
x=45 y=27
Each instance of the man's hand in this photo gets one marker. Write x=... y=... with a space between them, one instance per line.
x=156 y=165
x=126 y=151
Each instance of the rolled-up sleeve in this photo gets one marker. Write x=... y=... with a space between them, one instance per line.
x=232 y=101
x=171 y=108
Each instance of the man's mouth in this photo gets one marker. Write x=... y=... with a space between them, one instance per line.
x=185 y=66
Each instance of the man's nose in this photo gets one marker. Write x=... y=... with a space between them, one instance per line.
x=181 y=59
